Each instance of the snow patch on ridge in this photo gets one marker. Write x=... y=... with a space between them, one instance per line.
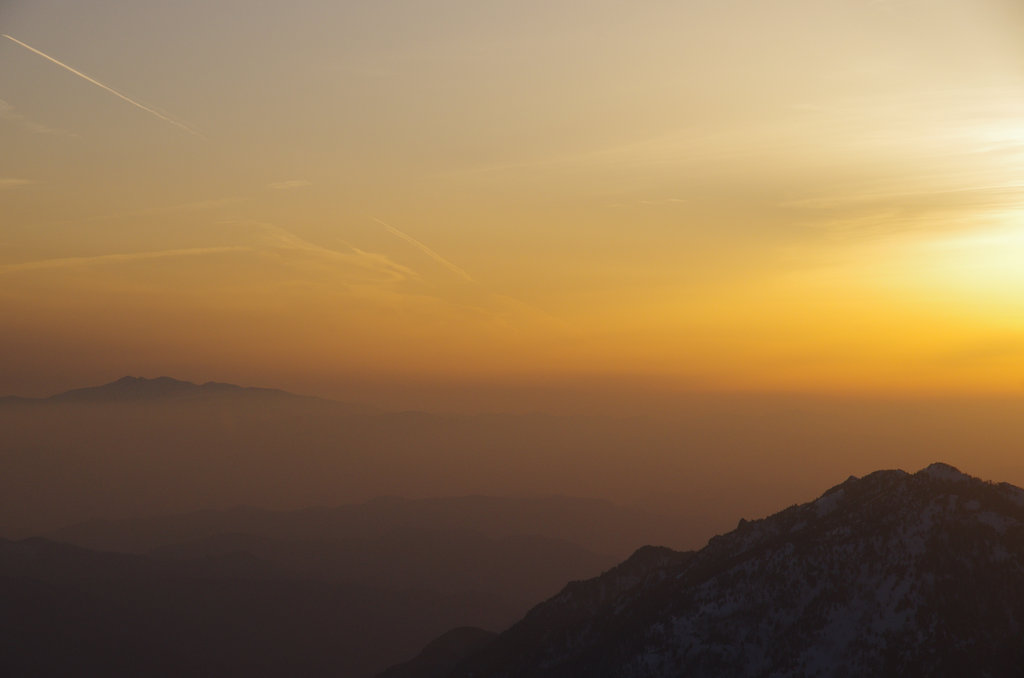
x=828 y=503
x=1013 y=493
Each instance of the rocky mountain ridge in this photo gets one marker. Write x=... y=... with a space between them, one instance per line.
x=889 y=574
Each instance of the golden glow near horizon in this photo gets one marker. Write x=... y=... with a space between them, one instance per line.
x=812 y=195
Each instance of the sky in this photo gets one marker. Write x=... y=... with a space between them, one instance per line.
x=402 y=199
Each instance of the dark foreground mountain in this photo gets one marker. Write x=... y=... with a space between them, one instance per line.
x=888 y=575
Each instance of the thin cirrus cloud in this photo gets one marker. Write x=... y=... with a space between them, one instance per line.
x=9 y=183
x=123 y=97
x=78 y=262
x=271 y=236
x=663 y=201
x=290 y=184
x=927 y=211
x=426 y=250
x=8 y=112
x=193 y=206
x=355 y=266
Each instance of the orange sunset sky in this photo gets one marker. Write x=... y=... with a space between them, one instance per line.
x=796 y=195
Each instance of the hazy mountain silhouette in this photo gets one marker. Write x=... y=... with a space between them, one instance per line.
x=512 y=550
x=139 y=389
x=890 y=574
x=597 y=525
x=513 y=571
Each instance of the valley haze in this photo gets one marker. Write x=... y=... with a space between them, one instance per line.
x=148 y=503
x=138 y=446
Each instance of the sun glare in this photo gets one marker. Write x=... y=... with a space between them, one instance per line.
x=992 y=259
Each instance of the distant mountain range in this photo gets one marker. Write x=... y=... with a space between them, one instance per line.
x=891 y=574
x=141 y=389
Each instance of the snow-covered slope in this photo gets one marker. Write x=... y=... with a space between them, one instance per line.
x=890 y=574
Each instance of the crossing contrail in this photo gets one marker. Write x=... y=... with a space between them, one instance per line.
x=426 y=250
x=113 y=91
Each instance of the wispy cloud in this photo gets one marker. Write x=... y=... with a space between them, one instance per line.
x=664 y=201
x=981 y=194
x=199 y=205
x=426 y=250
x=8 y=183
x=7 y=112
x=77 y=262
x=99 y=84
x=906 y=210
x=648 y=202
x=255 y=239
x=289 y=184
x=275 y=237
x=194 y=206
x=990 y=349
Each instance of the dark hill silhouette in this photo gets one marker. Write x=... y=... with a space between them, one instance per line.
x=442 y=655
x=68 y=611
x=890 y=574
x=465 y=560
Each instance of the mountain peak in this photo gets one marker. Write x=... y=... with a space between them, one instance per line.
x=941 y=471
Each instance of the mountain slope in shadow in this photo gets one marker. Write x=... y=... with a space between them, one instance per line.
x=889 y=574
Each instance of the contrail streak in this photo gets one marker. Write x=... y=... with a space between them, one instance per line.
x=426 y=250
x=101 y=85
